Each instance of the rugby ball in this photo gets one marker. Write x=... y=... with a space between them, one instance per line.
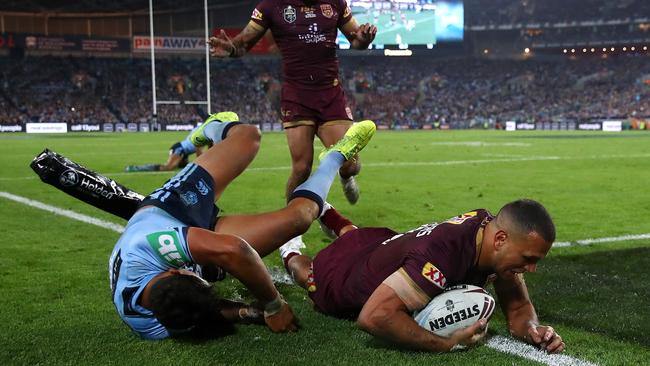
x=456 y=308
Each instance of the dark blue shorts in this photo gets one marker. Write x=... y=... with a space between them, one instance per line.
x=188 y=196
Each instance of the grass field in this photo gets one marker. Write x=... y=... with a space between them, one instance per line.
x=55 y=303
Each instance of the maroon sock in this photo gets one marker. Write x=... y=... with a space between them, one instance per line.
x=334 y=221
x=286 y=261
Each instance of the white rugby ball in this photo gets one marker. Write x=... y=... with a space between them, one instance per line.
x=456 y=308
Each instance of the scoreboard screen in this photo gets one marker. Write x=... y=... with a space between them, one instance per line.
x=409 y=22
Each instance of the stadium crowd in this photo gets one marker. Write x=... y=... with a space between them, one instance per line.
x=501 y=12
x=411 y=92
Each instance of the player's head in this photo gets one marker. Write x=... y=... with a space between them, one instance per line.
x=182 y=301
x=523 y=234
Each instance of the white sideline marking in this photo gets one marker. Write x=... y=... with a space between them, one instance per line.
x=562 y=244
x=461 y=162
x=399 y=164
x=63 y=212
x=514 y=347
x=480 y=143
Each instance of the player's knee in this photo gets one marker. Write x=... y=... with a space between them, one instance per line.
x=301 y=170
x=252 y=132
x=302 y=215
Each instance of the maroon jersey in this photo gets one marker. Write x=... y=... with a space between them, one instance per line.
x=306 y=36
x=433 y=256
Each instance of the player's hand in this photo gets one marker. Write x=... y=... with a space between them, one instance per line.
x=469 y=336
x=366 y=33
x=283 y=321
x=251 y=314
x=221 y=45
x=545 y=338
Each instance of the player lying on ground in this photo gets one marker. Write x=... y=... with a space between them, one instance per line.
x=380 y=277
x=154 y=266
x=179 y=154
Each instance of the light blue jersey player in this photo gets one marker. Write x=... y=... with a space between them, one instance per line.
x=155 y=267
x=134 y=262
x=179 y=154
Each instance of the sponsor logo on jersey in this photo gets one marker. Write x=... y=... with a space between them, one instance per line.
x=455 y=317
x=327 y=10
x=203 y=187
x=289 y=14
x=433 y=275
x=461 y=218
x=308 y=11
x=257 y=15
x=68 y=178
x=346 y=12
x=168 y=247
x=189 y=198
x=314 y=36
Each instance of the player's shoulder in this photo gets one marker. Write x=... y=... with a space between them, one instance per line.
x=472 y=216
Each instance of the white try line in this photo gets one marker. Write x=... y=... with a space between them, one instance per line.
x=63 y=212
x=562 y=244
x=517 y=348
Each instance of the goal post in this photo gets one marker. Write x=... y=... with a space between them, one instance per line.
x=155 y=101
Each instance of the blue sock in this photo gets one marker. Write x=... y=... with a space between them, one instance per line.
x=217 y=131
x=318 y=185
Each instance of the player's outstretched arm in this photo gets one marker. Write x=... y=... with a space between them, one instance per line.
x=521 y=315
x=385 y=315
x=223 y=46
x=238 y=258
x=360 y=36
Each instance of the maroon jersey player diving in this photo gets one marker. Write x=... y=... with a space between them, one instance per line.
x=380 y=277
x=313 y=102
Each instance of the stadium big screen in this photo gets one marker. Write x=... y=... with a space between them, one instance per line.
x=409 y=22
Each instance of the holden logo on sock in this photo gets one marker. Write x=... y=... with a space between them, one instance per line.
x=69 y=178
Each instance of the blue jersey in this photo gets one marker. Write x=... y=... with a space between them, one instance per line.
x=152 y=243
x=185 y=147
x=188 y=146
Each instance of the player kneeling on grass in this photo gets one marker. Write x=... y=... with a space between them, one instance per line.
x=155 y=267
x=180 y=152
x=380 y=277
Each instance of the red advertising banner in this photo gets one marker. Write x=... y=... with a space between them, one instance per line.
x=7 y=40
x=169 y=44
x=266 y=45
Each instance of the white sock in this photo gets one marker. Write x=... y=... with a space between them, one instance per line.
x=292 y=246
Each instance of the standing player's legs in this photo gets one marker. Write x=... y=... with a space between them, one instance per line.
x=329 y=134
x=300 y=139
x=333 y=110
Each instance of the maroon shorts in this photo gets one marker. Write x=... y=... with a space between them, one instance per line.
x=341 y=279
x=305 y=107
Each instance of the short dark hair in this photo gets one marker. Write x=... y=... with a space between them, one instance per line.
x=528 y=216
x=183 y=302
